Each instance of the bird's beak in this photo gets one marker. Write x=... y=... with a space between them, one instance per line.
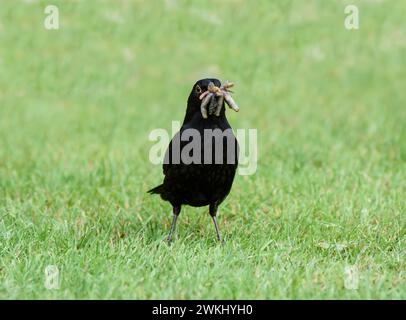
x=213 y=98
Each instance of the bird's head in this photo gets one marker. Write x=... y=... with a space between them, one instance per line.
x=208 y=97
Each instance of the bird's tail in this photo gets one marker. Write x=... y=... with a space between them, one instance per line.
x=156 y=190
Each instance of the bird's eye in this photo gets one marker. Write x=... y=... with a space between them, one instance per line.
x=198 y=89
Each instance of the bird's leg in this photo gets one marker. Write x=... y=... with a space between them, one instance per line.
x=217 y=228
x=213 y=213
x=176 y=211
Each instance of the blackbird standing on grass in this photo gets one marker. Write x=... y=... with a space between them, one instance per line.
x=202 y=158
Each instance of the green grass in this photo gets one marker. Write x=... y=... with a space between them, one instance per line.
x=76 y=108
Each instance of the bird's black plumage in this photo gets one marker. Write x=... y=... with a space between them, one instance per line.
x=200 y=183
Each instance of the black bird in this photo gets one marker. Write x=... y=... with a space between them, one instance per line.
x=202 y=158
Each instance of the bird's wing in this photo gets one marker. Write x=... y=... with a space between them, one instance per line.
x=173 y=158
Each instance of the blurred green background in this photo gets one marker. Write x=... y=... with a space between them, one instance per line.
x=76 y=108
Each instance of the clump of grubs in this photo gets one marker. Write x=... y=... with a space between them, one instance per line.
x=213 y=98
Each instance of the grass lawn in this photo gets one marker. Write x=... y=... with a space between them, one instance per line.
x=76 y=108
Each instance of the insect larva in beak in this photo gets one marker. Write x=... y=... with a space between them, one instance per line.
x=219 y=105
x=203 y=106
x=230 y=101
x=204 y=94
x=203 y=110
x=227 y=85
